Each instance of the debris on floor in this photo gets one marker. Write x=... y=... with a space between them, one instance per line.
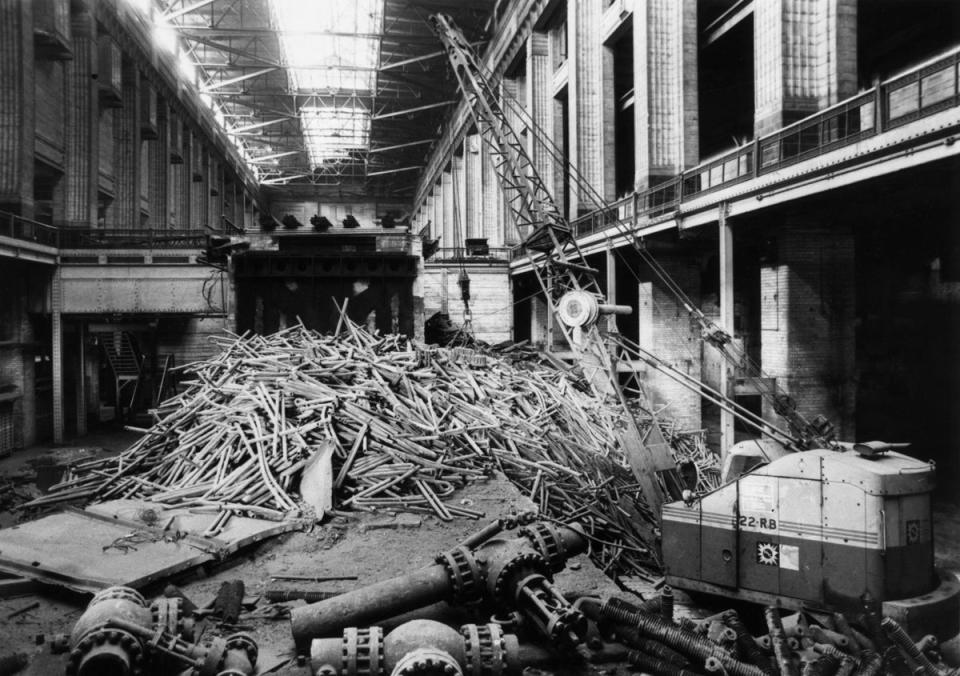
x=125 y=542
x=409 y=424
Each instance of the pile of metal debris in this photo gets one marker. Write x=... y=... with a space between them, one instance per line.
x=408 y=424
x=535 y=624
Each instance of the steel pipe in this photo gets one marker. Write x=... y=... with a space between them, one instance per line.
x=512 y=573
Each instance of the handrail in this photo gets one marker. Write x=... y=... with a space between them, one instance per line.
x=923 y=90
x=468 y=255
x=18 y=227
x=113 y=238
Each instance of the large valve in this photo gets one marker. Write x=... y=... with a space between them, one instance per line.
x=512 y=573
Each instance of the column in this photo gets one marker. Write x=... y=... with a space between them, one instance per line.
x=665 y=85
x=81 y=152
x=540 y=322
x=212 y=193
x=511 y=233
x=436 y=211
x=446 y=211
x=458 y=164
x=539 y=83
x=180 y=182
x=159 y=152
x=585 y=66
x=727 y=380
x=804 y=58
x=611 y=283
x=198 y=187
x=474 y=180
x=56 y=355
x=81 y=385
x=808 y=297
x=493 y=228
x=16 y=106
x=125 y=211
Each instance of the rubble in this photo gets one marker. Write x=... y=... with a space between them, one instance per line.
x=409 y=423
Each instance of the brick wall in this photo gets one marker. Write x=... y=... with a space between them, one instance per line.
x=807 y=322
x=489 y=299
x=666 y=330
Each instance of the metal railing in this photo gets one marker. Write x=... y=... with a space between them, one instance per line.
x=917 y=93
x=24 y=229
x=474 y=255
x=112 y=238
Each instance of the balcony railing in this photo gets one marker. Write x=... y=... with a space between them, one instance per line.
x=922 y=91
x=24 y=229
x=468 y=255
x=71 y=238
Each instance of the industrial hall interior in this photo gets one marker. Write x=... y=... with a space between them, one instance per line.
x=479 y=337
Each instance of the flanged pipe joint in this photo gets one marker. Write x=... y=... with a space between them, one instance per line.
x=98 y=648
x=417 y=648
x=119 y=635
x=513 y=574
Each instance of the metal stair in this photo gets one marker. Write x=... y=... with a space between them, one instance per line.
x=121 y=353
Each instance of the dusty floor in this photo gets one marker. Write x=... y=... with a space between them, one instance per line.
x=357 y=544
x=372 y=547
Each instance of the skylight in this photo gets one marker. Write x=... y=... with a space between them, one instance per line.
x=331 y=48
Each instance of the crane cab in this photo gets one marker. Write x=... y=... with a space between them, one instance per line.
x=818 y=529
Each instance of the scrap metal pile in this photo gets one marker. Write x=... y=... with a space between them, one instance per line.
x=410 y=423
x=795 y=643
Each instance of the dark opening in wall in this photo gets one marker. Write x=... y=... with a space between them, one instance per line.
x=725 y=81
x=893 y=35
x=46 y=184
x=623 y=93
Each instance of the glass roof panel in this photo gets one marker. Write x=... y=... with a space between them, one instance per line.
x=331 y=46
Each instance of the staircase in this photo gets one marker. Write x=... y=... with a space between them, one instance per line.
x=126 y=365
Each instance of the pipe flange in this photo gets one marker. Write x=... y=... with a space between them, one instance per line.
x=214 y=659
x=167 y=615
x=546 y=539
x=466 y=575
x=363 y=651
x=104 y=636
x=427 y=662
x=123 y=593
x=485 y=650
x=529 y=561
x=244 y=641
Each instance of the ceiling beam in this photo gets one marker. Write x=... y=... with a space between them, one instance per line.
x=398 y=146
x=209 y=32
x=406 y=111
x=187 y=10
x=274 y=156
x=394 y=171
x=282 y=179
x=726 y=22
x=239 y=131
x=233 y=80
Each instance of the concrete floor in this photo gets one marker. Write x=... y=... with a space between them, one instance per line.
x=344 y=545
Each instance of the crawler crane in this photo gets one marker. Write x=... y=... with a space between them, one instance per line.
x=827 y=528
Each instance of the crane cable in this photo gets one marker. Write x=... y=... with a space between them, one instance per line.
x=710 y=331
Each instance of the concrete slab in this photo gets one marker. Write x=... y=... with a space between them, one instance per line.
x=121 y=545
